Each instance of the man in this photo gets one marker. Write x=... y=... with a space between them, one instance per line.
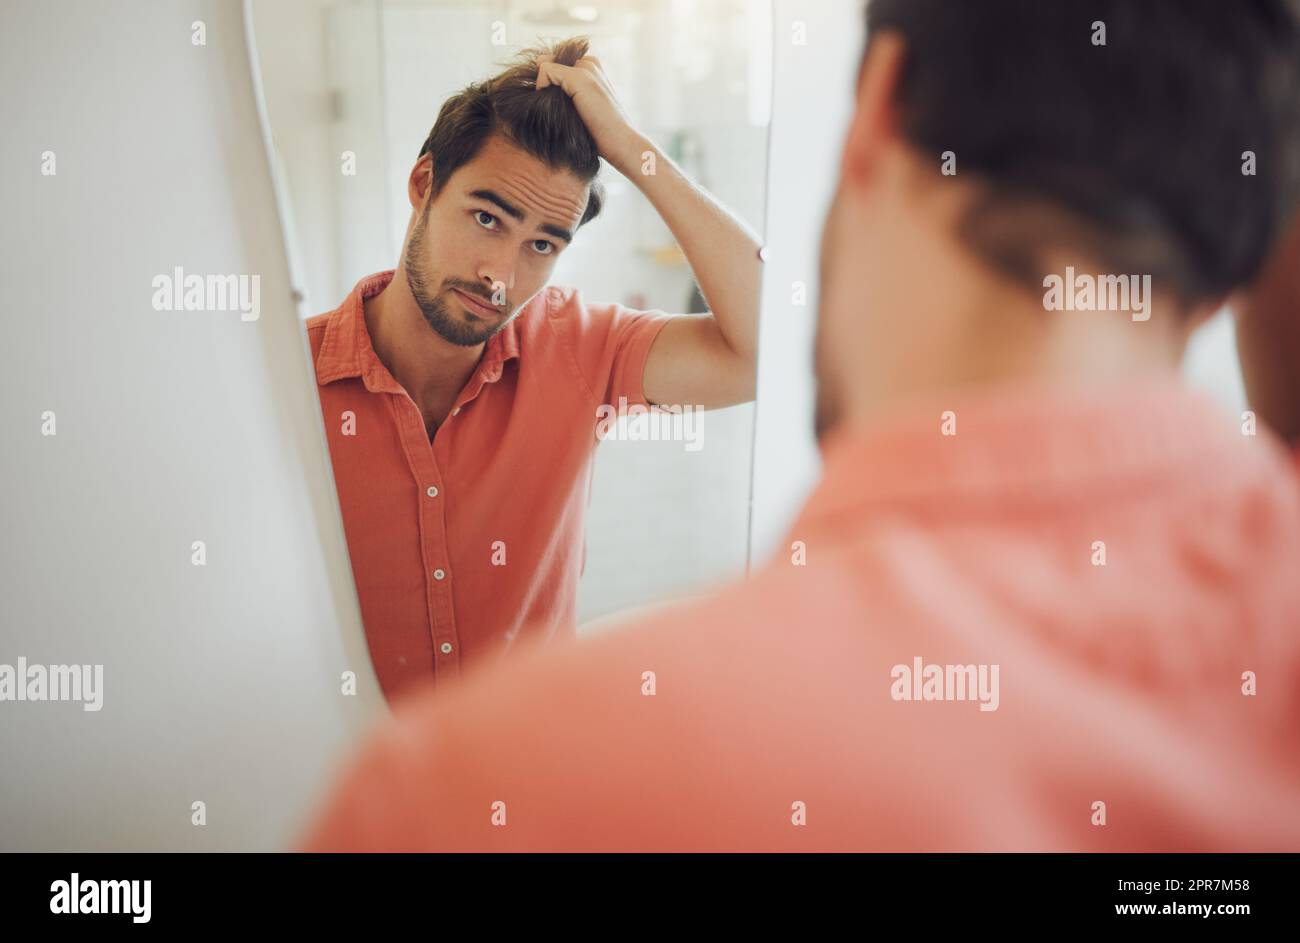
x=1049 y=599
x=461 y=394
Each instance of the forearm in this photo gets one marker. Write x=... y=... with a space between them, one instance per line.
x=1268 y=339
x=721 y=250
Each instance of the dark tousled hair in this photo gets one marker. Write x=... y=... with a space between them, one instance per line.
x=1131 y=151
x=544 y=123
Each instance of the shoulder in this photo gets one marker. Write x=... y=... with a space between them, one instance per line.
x=593 y=327
x=567 y=309
x=618 y=726
x=703 y=654
x=541 y=311
x=559 y=318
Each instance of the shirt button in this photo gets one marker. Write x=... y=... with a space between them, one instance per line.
x=438 y=574
x=433 y=491
x=446 y=648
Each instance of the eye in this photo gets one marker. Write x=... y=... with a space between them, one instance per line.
x=481 y=213
x=547 y=247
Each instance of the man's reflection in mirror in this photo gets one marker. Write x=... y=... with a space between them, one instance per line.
x=461 y=392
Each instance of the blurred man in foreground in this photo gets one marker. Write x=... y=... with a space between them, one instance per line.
x=1045 y=596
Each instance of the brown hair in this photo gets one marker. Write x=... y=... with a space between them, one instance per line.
x=1131 y=150
x=544 y=123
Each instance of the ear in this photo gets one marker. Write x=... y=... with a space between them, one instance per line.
x=875 y=116
x=420 y=182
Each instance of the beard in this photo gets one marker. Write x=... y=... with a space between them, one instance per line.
x=828 y=412
x=829 y=407
x=450 y=322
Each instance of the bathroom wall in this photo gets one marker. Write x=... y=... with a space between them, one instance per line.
x=169 y=512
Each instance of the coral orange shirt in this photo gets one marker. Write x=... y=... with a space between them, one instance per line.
x=467 y=544
x=1126 y=559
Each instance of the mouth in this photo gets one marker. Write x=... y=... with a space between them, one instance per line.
x=474 y=306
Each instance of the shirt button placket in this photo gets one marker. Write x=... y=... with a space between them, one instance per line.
x=440 y=575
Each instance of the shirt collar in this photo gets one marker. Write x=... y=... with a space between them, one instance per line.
x=1028 y=446
x=346 y=350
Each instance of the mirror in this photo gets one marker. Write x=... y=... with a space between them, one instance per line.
x=501 y=476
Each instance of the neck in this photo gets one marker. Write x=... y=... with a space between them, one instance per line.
x=427 y=366
x=947 y=326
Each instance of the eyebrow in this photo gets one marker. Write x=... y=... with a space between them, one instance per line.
x=516 y=213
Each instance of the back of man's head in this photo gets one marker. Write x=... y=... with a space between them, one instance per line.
x=1166 y=132
x=542 y=122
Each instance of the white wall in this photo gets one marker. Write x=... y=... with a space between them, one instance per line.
x=221 y=682
x=323 y=83
x=294 y=47
x=1211 y=363
x=812 y=102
